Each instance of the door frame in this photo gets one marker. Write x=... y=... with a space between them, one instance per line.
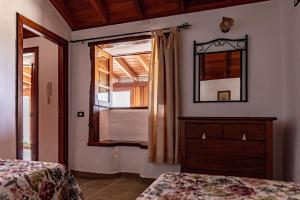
x=62 y=86
x=34 y=120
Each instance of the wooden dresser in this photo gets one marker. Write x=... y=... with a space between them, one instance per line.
x=227 y=146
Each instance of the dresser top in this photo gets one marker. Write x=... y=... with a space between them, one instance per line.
x=229 y=118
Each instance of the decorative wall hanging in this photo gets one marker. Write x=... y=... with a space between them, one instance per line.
x=226 y=24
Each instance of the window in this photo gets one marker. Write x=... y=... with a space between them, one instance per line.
x=119 y=75
x=116 y=73
x=121 y=99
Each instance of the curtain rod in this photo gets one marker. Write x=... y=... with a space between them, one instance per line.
x=184 y=26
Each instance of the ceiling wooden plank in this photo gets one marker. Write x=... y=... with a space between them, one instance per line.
x=97 y=13
x=181 y=5
x=143 y=62
x=63 y=10
x=126 y=68
x=115 y=76
x=102 y=12
x=29 y=34
x=27 y=74
x=140 y=8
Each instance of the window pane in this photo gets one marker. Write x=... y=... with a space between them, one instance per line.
x=103 y=94
x=121 y=99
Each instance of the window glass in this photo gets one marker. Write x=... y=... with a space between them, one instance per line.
x=121 y=99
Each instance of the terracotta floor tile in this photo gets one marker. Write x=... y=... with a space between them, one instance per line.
x=112 y=189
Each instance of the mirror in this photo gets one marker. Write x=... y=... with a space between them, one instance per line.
x=220 y=71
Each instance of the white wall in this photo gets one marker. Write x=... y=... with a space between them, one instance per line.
x=260 y=21
x=209 y=89
x=291 y=51
x=126 y=125
x=42 y=12
x=48 y=113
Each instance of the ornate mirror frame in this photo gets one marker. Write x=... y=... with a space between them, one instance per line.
x=218 y=46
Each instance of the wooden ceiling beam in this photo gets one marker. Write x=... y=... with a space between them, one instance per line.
x=140 y=7
x=100 y=9
x=143 y=62
x=115 y=76
x=27 y=82
x=26 y=85
x=126 y=68
x=181 y=5
x=63 y=10
x=27 y=74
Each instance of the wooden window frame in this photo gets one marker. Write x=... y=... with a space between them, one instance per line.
x=62 y=87
x=94 y=111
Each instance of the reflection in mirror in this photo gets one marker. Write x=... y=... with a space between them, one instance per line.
x=220 y=71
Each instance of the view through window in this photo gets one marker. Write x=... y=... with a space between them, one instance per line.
x=121 y=74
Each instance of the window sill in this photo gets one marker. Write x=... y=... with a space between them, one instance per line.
x=115 y=143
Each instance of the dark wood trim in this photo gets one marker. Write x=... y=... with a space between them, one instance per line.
x=119 y=40
x=34 y=103
x=229 y=118
x=19 y=89
x=92 y=175
x=139 y=7
x=129 y=108
x=100 y=10
x=115 y=143
x=181 y=5
x=269 y=170
x=63 y=103
x=63 y=10
x=29 y=34
x=94 y=110
x=62 y=86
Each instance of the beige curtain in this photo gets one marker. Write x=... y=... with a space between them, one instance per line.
x=164 y=98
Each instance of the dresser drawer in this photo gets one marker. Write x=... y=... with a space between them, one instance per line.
x=226 y=164
x=208 y=131
x=226 y=147
x=249 y=131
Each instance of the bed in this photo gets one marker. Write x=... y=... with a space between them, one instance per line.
x=36 y=180
x=184 y=186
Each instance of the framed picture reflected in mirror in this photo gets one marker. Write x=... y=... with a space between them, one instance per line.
x=224 y=95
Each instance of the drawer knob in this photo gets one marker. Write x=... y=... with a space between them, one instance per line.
x=244 y=137
x=203 y=136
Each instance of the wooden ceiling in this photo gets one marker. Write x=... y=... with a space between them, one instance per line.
x=27 y=80
x=83 y=14
x=28 y=34
x=132 y=67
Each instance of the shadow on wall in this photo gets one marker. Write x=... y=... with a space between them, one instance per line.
x=289 y=149
x=6 y=147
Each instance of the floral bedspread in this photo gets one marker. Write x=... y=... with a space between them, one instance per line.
x=184 y=186
x=36 y=180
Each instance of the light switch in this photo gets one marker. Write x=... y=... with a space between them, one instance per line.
x=80 y=114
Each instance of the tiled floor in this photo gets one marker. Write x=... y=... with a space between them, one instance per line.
x=112 y=189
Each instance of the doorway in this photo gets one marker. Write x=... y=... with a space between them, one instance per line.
x=30 y=103
x=23 y=26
